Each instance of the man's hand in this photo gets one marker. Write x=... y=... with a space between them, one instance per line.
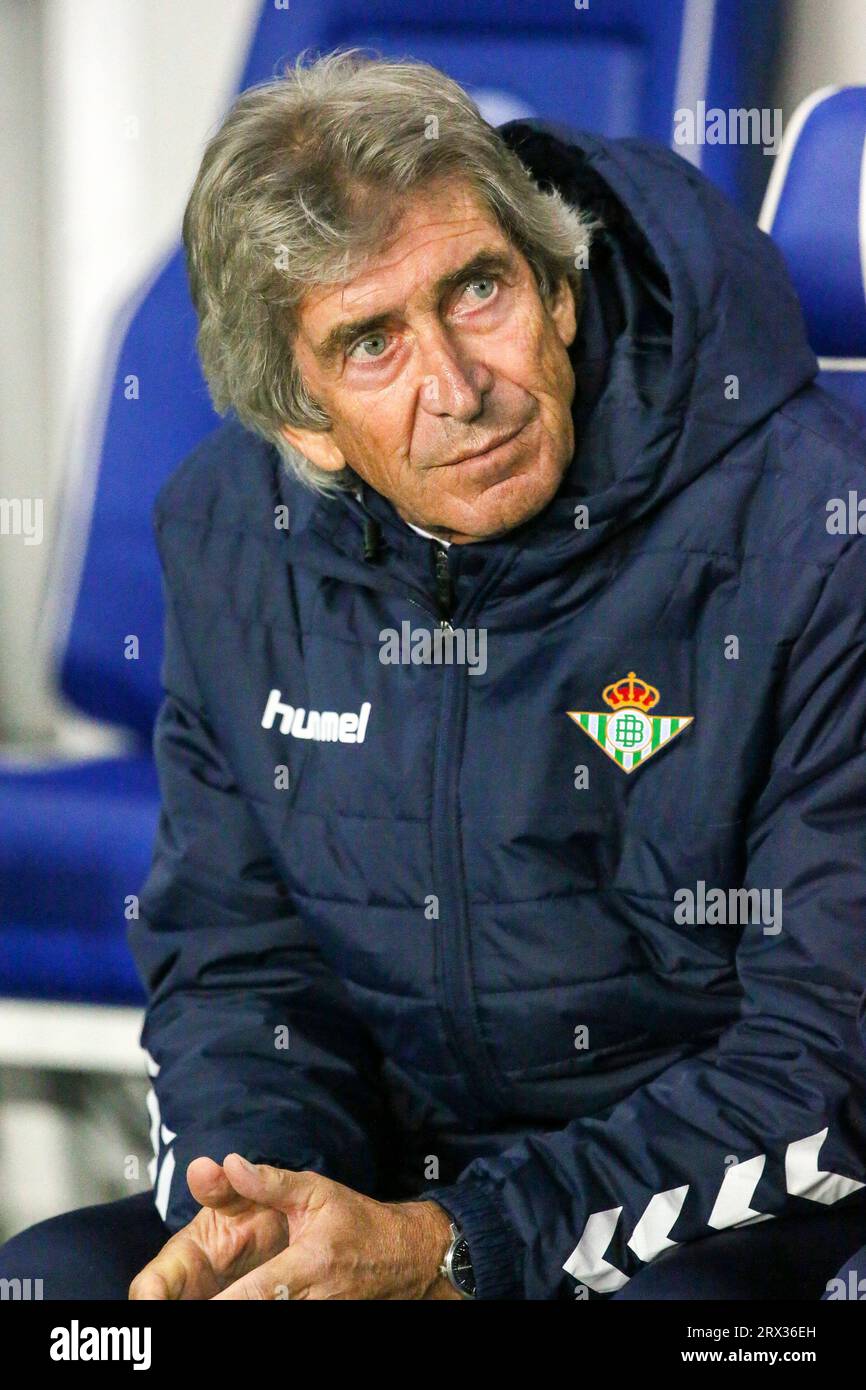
x=342 y=1244
x=273 y=1233
x=228 y=1237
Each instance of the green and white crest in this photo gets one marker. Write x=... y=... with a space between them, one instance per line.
x=627 y=733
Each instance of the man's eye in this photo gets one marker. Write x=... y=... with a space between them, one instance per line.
x=370 y=338
x=487 y=280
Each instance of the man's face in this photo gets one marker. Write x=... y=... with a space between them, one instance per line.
x=421 y=375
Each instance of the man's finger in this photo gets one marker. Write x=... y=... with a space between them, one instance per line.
x=213 y=1188
x=279 y=1188
x=287 y=1275
x=163 y=1278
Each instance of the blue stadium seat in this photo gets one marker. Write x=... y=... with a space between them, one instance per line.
x=619 y=67
x=75 y=840
x=815 y=209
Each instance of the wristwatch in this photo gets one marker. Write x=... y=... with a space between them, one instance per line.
x=457 y=1264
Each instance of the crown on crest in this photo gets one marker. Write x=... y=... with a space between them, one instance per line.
x=631 y=691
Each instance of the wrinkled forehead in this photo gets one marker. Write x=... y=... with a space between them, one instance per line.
x=424 y=235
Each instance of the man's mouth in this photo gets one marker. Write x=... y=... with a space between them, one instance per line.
x=489 y=454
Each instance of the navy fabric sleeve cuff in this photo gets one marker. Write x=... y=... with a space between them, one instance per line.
x=494 y=1247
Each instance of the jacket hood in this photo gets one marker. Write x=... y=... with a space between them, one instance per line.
x=690 y=334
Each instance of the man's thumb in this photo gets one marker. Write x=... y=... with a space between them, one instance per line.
x=280 y=1188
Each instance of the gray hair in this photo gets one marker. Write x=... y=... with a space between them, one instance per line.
x=303 y=181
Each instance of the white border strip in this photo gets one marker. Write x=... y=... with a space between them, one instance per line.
x=74 y=490
x=861 y=222
x=781 y=163
x=693 y=68
x=71 y=1037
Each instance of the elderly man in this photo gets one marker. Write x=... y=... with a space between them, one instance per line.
x=504 y=936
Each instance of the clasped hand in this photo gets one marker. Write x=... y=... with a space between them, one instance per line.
x=274 y=1233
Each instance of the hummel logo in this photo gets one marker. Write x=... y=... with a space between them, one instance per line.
x=325 y=725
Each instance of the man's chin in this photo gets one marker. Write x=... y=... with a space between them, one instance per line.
x=493 y=517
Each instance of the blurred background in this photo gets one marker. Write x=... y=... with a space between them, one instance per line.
x=107 y=105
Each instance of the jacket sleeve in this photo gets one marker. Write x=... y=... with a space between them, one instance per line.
x=251 y=1044
x=771 y=1119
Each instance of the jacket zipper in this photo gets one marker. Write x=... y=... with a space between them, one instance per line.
x=444 y=589
x=452 y=944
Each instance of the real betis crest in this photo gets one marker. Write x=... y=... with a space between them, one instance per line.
x=627 y=733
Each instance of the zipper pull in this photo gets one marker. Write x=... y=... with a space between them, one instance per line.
x=444 y=589
x=372 y=540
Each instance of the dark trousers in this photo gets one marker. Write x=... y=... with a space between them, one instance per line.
x=782 y=1259
x=95 y=1252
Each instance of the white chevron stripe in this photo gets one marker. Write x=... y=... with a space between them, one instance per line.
x=153 y=1111
x=650 y=1235
x=163 y=1186
x=803 y=1177
x=738 y=1186
x=586 y=1261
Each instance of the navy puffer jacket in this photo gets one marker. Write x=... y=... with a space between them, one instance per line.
x=473 y=932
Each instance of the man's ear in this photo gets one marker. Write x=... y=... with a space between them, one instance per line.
x=317 y=446
x=564 y=310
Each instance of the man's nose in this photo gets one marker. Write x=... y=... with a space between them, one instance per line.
x=453 y=382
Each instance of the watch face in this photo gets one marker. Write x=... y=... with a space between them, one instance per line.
x=461 y=1268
